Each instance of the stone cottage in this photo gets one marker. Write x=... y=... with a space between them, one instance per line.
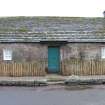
x=61 y=45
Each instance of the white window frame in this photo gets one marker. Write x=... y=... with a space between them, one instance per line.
x=102 y=52
x=7 y=54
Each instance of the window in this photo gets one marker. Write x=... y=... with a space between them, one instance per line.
x=7 y=54
x=103 y=52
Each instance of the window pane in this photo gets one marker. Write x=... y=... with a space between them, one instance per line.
x=103 y=52
x=7 y=54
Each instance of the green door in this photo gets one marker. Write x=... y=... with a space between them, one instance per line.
x=53 y=59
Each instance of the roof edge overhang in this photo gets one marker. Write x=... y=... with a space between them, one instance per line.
x=56 y=41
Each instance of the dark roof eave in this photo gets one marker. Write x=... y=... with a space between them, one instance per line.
x=54 y=40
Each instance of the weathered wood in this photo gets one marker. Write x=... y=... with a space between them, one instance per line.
x=22 y=69
x=83 y=67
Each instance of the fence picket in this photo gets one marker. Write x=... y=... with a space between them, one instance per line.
x=22 y=69
x=84 y=67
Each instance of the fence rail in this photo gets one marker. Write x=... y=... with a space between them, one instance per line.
x=83 y=67
x=22 y=69
x=68 y=67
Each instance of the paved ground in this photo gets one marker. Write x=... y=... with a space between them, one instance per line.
x=51 y=79
x=52 y=95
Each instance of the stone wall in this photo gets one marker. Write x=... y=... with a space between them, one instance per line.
x=24 y=52
x=81 y=51
x=32 y=52
x=82 y=59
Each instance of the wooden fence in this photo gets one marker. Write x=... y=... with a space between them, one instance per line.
x=22 y=69
x=68 y=67
x=83 y=67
